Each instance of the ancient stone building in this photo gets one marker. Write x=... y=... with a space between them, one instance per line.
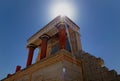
x=61 y=57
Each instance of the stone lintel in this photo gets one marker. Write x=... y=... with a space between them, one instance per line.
x=72 y=25
x=45 y=30
x=51 y=29
x=44 y=36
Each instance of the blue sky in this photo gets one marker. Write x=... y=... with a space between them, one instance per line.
x=99 y=22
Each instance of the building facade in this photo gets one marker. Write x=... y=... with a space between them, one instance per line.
x=61 y=57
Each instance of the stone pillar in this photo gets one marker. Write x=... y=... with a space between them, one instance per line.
x=62 y=35
x=18 y=68
x=44 y=39
x=30 y=54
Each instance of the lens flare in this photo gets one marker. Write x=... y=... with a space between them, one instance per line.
x=62 y=9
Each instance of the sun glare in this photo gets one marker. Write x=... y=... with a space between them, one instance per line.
x=62 y=9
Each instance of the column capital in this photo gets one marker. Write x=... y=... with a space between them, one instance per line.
x=44 y=36
x=60 y=25
x=31 y=46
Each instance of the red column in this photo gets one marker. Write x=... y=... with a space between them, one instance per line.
x=30 y=54
x=62 y=35
x=44 y=46
x=18 y=68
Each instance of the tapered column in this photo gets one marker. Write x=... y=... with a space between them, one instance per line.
x=62 y=35
x=30 y=54
x=44 y=39
x=18 y=68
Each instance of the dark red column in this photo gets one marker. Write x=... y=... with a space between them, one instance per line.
x=62 y=35
x=30 y=54
x=18 y=68
x=44 y=46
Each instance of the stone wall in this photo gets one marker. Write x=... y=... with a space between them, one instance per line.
x=57 y=67
x=95 y=70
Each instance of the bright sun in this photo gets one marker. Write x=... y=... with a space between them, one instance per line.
x=62 y=9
